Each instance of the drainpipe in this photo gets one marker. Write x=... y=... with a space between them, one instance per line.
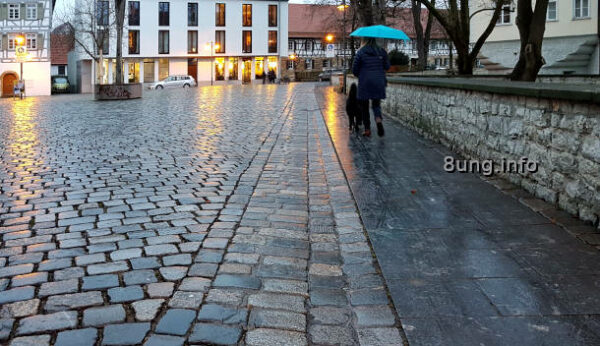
x=598 y=30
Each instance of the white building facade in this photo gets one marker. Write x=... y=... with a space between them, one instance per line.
x=223 y=40
x=570 y=40
x=30 y=20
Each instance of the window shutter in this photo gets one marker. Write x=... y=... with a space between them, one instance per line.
x=5 y=42
x=40 y=42
x=22 y=13
x=40 y=10
x=4 y=12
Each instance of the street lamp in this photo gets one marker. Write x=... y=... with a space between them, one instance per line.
x=21 y=52
x=213 y=47
x=343 y=8
x=329 y=37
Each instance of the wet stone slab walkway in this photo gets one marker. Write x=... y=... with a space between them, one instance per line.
x=210 y=216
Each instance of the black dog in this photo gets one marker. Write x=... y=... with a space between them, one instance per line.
x=353 y=108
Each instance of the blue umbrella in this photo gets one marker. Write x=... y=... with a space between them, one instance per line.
x=380 y=31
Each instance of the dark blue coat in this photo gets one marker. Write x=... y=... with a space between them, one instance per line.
x=369 y=66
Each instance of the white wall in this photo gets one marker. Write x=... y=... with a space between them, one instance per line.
x=564 y=26
x=36 y=75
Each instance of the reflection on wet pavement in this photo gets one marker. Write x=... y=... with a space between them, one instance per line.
x=465 y=264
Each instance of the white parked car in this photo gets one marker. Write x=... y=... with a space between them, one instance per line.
x=175 y=82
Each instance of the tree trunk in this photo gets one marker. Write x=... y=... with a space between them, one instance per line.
x=120 y=19
x=531 y=25
x=416 y=14
x=365 y=12
x=464 y=61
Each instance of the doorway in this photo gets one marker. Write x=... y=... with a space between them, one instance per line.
x=193 y=68
x=246 y=71
x=8 y=83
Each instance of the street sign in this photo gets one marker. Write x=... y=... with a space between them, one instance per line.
x=330 y=50
x=21 y=53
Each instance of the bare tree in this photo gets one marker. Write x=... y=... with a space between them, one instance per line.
x=532 y=24
x=456 y=19
x=89 y=23
x=119 y=6
x=422 y=36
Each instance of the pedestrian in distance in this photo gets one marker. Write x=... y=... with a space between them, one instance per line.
x=353 y=109
x=271 y=76
x=370 y=64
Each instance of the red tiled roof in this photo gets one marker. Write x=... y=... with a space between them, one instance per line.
x=60 y=45
x=313 y=21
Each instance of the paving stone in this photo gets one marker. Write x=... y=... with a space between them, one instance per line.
x=182 y=259
x=125 y=333
x=173 y=273
x=285 y=286
x=214 y=312
x=104 y=268
x=379 y=336
x=6 y=325
x=215 y=334
x=235 y=268
x=164 y=340
x=42 y=323
x=330 y=315
x=368 y=296
x=265 y=336
x=125 y=254
x=103 y=315
x=210 y=255
x=29 y=279
x=125 y=294
x=325 y=269
x=239 y=281
x=277 y=301
x=146 y=310
x=73 y=301
x=374 y=316
x=225 y=296
x=20 y=309
x=176 y=322
x=59 y=287
x=158 y=250
x=242 y=258
x=79 y=337
x=160 y=289
x=203 y=269
x=337 y=335
x=16 y=270
x=278 y=320
x=69 y=273
x=322 y=296
x=144 y=263
x=186 y=300
x=139 y=277
x=99 y=281
x=16 y=294
x=35 y=340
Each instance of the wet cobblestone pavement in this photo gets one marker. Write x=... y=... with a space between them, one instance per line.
x=210 y=216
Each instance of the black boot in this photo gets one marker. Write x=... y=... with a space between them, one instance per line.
x=380 y=131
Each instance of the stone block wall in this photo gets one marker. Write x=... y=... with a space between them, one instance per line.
x=561 y=135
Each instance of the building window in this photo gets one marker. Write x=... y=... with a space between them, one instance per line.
x=582 y=8
x=272 y=15
x=272 y=41
x=325 y=63
x=291 y=45
x=220 y=41
x=103 y=35
x=134 y=13
x=31 y=12
x=220 y=69
x=134 y=42
x=14 y=11
x=551 y=14
x=193 y=41
x=12 y=42
x=504 y=15
x=62 y=70
x=192 y=14
x=247 y=15
x=163 y=42
x=163 y=13
x=290 y=64
x=102 y=12
x=246 y=41
x=219 y=14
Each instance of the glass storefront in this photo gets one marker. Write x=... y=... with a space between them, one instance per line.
x=273 y=64
x=163 y=68
x=148 y=71
x=233 y=68
x=220 y=69
x=133 y=74
x=259 y=68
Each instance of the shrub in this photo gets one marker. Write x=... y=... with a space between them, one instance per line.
x=398 y=58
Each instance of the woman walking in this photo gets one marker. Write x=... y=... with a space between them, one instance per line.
x=370 y=64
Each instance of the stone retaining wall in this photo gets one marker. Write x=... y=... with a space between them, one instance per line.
x=562 y=135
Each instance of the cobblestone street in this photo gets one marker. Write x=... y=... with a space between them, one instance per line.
x=208 y=216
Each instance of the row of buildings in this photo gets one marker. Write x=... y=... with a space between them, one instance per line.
x=239 y=41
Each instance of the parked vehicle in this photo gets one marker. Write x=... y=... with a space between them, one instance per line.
x=175 y=82
x=326 y=75
x=60 y=84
